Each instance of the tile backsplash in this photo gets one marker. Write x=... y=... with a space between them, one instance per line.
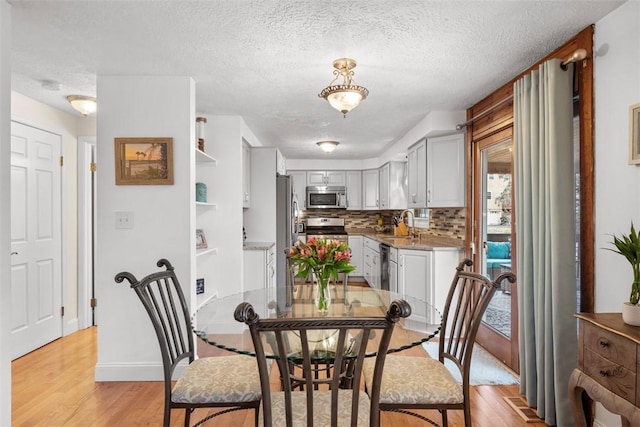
x=442 y=222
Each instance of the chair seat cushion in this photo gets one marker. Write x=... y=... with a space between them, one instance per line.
x=321 y=408
x=414 y=380
x=219 y=380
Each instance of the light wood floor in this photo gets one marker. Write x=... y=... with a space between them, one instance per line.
x=54 y=386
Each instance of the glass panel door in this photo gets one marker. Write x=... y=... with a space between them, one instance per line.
x=494 y=243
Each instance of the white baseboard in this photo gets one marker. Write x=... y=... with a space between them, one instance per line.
x=70 y=327
x=132 y=372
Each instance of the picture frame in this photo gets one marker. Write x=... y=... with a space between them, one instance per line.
x=201 y=241
x=144 y=161
x=634 y=134
x=199 y=286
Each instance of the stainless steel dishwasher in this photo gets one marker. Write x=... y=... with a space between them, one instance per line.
x=385 y=251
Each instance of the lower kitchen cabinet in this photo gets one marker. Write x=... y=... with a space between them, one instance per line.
x=427 y=275
x=355 y=244
x=371 y=251
x=259 y=266
x=393 y=270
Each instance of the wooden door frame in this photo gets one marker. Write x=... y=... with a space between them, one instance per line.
x=505 y=349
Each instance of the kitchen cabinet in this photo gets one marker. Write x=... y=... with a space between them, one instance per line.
x=417 y=175
x=205 y=215
x=446 y=171
x=393 y=270
x=414 y=274
x=259 y=266
x=333 y=178
x=436 y=173
x=299 y=179
x=355 y=244
x=392 y=188
x=281 y=163
x=370 y=191
x=354 y=190
x=246 y=175
x=371 y=251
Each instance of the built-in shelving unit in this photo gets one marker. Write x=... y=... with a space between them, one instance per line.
x=205 y=218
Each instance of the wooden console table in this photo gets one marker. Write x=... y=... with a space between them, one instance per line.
x=608 y=367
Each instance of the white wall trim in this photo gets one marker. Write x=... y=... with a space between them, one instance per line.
x=85 y=268
x=149 y=371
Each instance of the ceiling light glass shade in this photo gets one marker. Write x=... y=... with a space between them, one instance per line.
x=347 y=96
x=327 y=146
x=85 y=105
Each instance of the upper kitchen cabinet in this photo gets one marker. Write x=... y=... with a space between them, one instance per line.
x=354 y=190
x=281 y=163
x=392 y=190
x=370 y=199
x=417 y=175
x=299 y=179
x=446 y=171
x=246 y=175
x=435 y=169
x=326 y=178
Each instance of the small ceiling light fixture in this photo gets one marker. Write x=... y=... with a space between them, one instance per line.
x=85 y=105
x=346 y=96
x=327 y=146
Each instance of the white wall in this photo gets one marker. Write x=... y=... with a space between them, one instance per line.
x=617 y=184
x=163 y=217
x=436 y=123
x=37 y=114
x=5 y=214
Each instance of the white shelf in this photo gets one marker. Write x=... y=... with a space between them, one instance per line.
x=202 y=157
x=204 y=298
x=201 y=252
x=213 y=206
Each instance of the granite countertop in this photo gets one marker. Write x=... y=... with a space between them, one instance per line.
x=425 y=242
x=257 y=246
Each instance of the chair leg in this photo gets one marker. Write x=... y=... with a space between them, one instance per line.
x=167 y=416
x=445 y=421
x=187 y=416
x=467 y=414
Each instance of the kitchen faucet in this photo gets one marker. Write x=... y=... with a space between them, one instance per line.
x=412 y=228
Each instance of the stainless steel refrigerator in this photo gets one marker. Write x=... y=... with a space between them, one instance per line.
x=286 y=235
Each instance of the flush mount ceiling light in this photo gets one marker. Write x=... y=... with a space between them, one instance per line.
x=346 y=96
x=85 y=105
x=327 y=146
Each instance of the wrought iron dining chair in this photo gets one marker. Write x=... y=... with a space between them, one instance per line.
x=229 y=382
x=322 y=402
x=415 y=382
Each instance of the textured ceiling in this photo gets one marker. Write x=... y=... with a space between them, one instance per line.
x=267 y=60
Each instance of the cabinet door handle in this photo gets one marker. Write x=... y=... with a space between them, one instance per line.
x=604 y=373
x=429 y=196
x=377 y=203
x=604 y=343
x=413 y=197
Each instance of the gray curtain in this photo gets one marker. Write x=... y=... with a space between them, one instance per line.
x=545 y=234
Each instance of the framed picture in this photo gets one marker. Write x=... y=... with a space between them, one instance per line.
x=144 y=161
x=201 y=241
x=634 y=134
x=199 y=286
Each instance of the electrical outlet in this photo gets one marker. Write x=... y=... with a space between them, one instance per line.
x=124 y=220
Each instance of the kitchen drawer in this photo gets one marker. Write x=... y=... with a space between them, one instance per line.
x=611 y=346
x=613 y=376
x=393 y=255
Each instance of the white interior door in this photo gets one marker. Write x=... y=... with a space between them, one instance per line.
x=36 y=244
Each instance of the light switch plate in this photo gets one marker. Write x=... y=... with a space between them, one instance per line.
x=124 y=220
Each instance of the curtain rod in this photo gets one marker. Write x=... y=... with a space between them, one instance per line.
x=576 y=56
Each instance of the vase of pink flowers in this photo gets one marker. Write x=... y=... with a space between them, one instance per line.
x=325 y=258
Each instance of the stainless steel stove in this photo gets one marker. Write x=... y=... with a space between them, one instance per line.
x=327 y=228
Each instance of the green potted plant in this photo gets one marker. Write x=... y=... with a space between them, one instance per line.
x=629 y=247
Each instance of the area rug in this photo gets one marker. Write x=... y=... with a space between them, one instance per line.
x=485 y=369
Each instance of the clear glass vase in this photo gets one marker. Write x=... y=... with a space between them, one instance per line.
x=322 y=295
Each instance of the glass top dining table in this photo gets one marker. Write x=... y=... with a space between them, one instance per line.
x=214 y=321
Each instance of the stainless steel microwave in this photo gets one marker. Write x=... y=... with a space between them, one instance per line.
x=326 y=197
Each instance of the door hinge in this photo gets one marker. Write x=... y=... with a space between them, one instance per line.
x=93 y=167
x=62 y=311
x=61 y=160
x=94 y=302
